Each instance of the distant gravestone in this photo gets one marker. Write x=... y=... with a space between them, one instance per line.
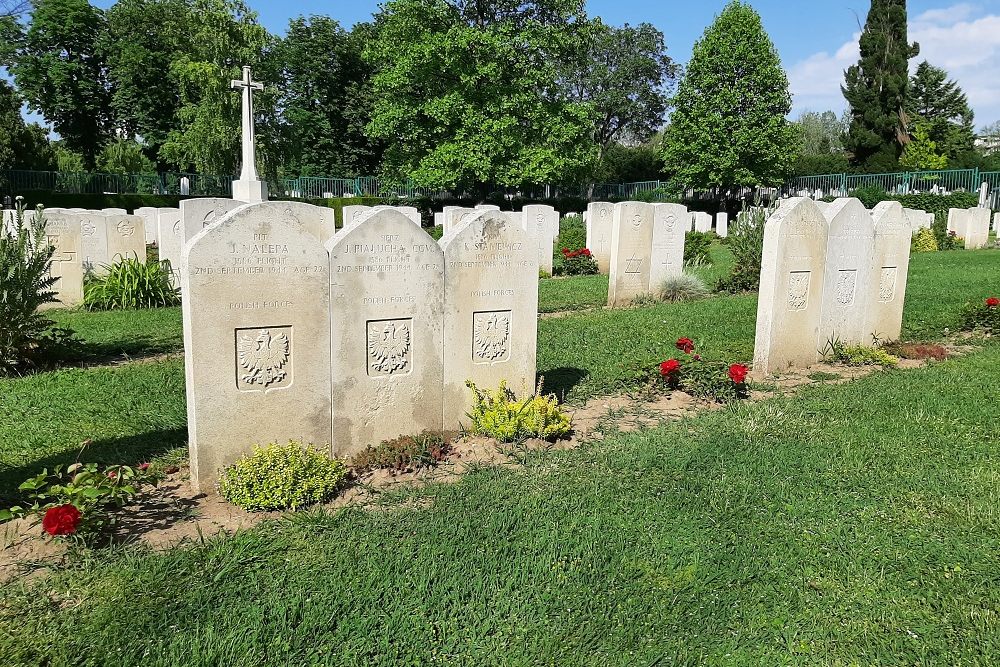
x=848 y=278
x=702 y=222
x=631 y=246
x=891 y=268
x=170 y=231
x=256 y=338
x=915 y=219
x=542 y=224
x=196 y=214
x=353 y=213
x=126 y=238
x=438 y=219
x=599 y=218
x=456 y=216
x=320 y=221
x=667 y=255
x=722 y=224
x=996 y=222
x=789 y=308
x=94 y=240
x=977 y=233
x=491 y=311
x=386 y=291
x=62 y=231
x=957 y=221
x=148 y=215
x=113 y=211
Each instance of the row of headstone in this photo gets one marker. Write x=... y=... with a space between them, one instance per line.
x=540 y=221
x=349 y=340
x=972 y=225
x=838 y=275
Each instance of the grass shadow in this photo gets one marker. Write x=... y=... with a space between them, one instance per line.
x=560 y=381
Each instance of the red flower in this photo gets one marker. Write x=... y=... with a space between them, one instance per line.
x=993 y=302
x=669 y=367
x=685 y=345
x=738 y=373
x=61 y=520
x=565 y=251
x=143 y=467
x=586 y=252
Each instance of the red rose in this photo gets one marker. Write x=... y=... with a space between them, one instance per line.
x=61 y=520
x=586 y=252
x=685 y=345
x=738 y=373
x=993 y=302
x=143 y=467
x=669 y=367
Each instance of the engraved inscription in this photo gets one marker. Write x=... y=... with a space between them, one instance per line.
x=887 y=284
x=88 y=228
x=847 y=281
x=491 y=337
x=263 y=358
x=669 y=222
x=126 y=228
x=798 y=290
x=389 y=347
x=633 y=265
x=636 y=221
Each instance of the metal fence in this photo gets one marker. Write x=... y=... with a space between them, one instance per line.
x=907 y=182
x=166 y=183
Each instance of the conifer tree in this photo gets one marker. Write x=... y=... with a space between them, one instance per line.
x=943 y=108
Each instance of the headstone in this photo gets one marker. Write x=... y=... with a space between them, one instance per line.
x=631 y=245
x=386 y=292
x=185 y=186
x=456 y=216
x=667 y=256
x=487 y=207
x=353 y=213
x=977 y=233
x=914 y=218
x=113 y=211
x=996 y=223
x=957 y=221
x=722 y=224
x=702 y=222
x=320 y=221
x=62 y=230
x=891 y=267
x=438 y=219
x=599 y=218
x=822 y=206
x=789 y=308
x=491 y=311
x=848 y=278
x=126 y=238
x=148 y=215
x=984 y=194
x=256 y=338
x=196 y=214
x=542 y=224
x=170 y=231
x=410 y=212
x=94 y=239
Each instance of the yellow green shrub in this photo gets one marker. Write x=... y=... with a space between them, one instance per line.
x=925 y=241
x=499 y=414
x=277 y=477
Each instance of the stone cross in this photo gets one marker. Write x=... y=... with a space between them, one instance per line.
x=248 y=187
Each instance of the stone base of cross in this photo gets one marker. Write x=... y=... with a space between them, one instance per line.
x=250 y=192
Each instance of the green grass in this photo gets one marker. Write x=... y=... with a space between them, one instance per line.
x=573 y=293
x=853 y=524
x=129 y=332
x=940 y=283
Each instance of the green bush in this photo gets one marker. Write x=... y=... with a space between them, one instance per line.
x=572 y=234
x=403 y=453
x=277 y=477
x=858 y=355
x=696 y=248
x=131 y=283
x=684 y=287
x=500 y=415
x=28 y=339
x=746 y=241
x=435 y=232
x=579 y=262
x=924 y=241
x=984 y=315
x=945 y=240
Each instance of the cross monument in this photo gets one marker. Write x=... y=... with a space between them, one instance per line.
x=249 y=187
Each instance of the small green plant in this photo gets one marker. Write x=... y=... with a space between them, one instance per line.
x=924 y=241
x=696 y=248
x=79 y=499
x=542 y=273
x=746 y=241
x=984 y=315
x=275 y=477
x=644 y=300
x=578 y=262
x=130 y=283
x=684 y=287
x=705 y=379
x=500 y=415
x=858 y=355
x=406 y=452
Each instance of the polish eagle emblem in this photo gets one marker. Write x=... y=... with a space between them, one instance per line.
x=263 y=357
x=388 y=346
x=491 y=335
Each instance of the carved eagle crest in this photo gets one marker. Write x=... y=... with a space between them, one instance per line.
x=263 y=357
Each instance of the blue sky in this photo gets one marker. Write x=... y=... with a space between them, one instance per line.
x=817 y=39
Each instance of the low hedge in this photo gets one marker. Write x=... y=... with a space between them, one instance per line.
x=97 y=201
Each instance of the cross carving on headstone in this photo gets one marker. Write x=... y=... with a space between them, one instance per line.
x=247 y=85
x=55 y=271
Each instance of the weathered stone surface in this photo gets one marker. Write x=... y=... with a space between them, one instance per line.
x=62 y=229
x=491 y=311
x=849 y=257
x=702 y=222
x=320 y=221
x=722 y=224
x=977 y=233
x=148 y=215
x=387 y=297
x=438 y=219
x=409 y=211
x=113 y=211
x=126 y=238
x=256 y=337
x=354 y=213
x=891 y=267
x=542 y=224
x=456 y=216
x=94 y=238
x=631 y=246
x=822 y=206
x=667 y=256
x=789 y=308
x=196 y=214
x=170 y=230
x=599 y=218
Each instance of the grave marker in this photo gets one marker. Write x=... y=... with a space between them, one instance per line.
x=599 y=218
x=667 y=256
x=631 y=246
x=891 y=268
x=848 y=276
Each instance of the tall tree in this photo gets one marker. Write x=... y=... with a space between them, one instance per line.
x=729 y=127
x=876 y=88
x=942 y=108
x=59 y=68
x=325 y=97
x=22 y=145
x=467 y=93
x=922 y=152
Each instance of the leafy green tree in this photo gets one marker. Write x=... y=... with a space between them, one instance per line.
x=628 y=164
x=729 y=127
x=943 y=109
x=67 y=160
x=22 y=145
x=922 y=151
x=58 y=64
x=325 y=97
x=124 y=156
x=876 y=88
x=466 y=93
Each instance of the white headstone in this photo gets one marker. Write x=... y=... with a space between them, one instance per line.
x=722 y=224
x=113 y=211
x=256 y=338
x=456 y=216
x=353 y=213
x=599 y=217
x=789 y=308
x=491 y=311
x=631 y=246
x=196 y=214
x=977 y=233
x=891 y=268
x=667 y=257
x=62 y=230
x=170 y=230
x=438 y=219
x=148 y=215
x=542 y=224
x=996 y=222
x=320 y=221
x=984 y=194
x=94 y=237
x=386 y=293
x=702 y=222
x=126 y=238
x=848 y=279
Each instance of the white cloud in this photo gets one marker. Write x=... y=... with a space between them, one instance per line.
x=956 y=38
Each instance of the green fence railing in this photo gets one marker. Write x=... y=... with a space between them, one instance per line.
x=165 y=183
x=948 y=180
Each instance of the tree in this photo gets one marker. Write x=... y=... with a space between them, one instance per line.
x=729 y=127
x=821 y=148
x=22 y=145
x=58 y=65
x=325 y=97
x=467 y=94
x=626 y=77
x=876 y=88
x=922 y=151
x=943 y=109
x=124 y=156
